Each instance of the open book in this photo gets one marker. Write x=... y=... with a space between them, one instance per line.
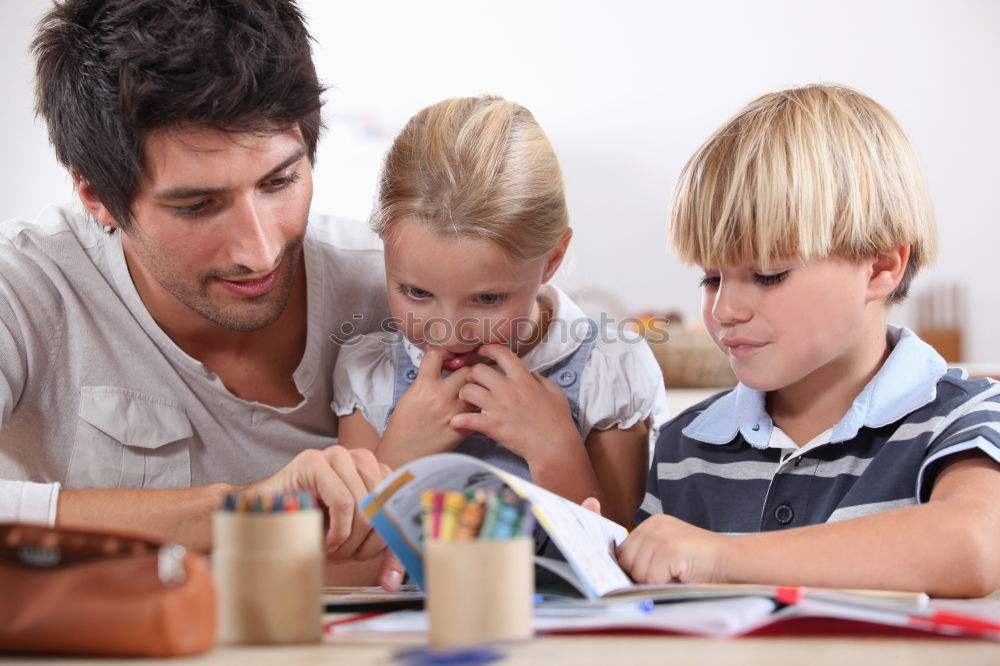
x=614 y=602
x=726 y=617
x=585 y=540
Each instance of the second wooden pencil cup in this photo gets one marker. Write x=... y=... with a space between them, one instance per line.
x=479 y=591
x=268 y=570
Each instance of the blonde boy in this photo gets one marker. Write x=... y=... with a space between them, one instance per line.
x=849 y=455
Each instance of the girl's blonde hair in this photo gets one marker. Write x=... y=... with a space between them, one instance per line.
x=808 y=172
x=479 y=167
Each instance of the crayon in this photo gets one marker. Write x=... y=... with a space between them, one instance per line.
x=436 y=503
x=471 y=517
x=507 y=517
x=426 y=509
x=525 y=525
x=493 y=503
x=450 y=508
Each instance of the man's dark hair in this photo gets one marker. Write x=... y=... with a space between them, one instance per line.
x=110 y=71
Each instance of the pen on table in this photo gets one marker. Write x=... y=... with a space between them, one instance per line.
x=578 y=606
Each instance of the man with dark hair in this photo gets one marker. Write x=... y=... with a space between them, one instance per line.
x=186 y=353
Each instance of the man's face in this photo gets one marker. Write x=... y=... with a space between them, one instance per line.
x=218 y=225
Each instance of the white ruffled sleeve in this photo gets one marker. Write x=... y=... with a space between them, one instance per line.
x=622 y=385
x=363 y=378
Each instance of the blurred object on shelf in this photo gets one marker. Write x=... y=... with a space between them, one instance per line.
x=687 y=355
x=653 y=325
x=941 y=318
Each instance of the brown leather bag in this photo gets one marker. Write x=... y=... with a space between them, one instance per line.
x=82 y=592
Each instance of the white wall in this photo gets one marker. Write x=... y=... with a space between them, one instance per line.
x=626 y=91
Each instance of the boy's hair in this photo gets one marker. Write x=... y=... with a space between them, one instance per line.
x=475 y=167
x=109 y=72
x=808 y=172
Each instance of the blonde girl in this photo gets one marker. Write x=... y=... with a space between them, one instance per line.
x=492 y=360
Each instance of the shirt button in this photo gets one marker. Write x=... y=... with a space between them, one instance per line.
x=410 y=374
x=784 y=514
x=566 y=378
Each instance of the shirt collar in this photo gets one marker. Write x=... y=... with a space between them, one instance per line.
x=561 y=339
x=905 y=382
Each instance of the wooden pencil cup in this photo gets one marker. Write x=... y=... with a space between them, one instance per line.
x=269 y=574
x=479 y=591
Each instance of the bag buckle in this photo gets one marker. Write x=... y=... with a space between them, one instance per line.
x=170 y=564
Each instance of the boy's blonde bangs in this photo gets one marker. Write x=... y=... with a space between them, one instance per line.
x=808 y=172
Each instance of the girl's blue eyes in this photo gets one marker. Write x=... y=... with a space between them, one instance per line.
x=490 y=299
x=418 y=294
x=413 y=292
x=764 y=280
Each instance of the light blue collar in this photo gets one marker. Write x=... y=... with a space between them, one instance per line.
x=905 y=382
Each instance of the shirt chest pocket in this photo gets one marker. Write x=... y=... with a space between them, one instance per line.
x=126 y=439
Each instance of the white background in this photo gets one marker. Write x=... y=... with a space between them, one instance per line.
x=626 y=91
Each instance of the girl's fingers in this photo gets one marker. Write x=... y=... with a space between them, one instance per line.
x=511 y=365
x=475 y=395
x=431 y=364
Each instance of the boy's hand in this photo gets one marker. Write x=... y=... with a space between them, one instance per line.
x=421 y=423
x=663 y=549
x=522 y=410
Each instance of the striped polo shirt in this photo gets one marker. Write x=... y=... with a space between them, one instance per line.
x=716 y=464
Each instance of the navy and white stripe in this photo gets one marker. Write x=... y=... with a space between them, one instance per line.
x=713 y=468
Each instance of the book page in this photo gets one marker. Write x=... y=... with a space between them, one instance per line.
x=586 y=540
x=394 y=506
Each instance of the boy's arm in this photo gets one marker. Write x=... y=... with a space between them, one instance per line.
x=947 y=547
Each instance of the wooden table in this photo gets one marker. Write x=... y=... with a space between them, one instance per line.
x=619 y=650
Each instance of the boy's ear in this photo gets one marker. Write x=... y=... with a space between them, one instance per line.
x=887 y=269
x=556 y=256
x=93 y=204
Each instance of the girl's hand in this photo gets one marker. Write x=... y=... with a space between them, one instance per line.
x=522 y=410
x=664 y=549
x=421 y=423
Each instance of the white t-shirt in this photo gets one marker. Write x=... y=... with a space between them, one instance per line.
x=94 y=394
x=621 y=385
